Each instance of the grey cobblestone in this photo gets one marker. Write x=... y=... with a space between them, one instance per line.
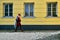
x=41 y=35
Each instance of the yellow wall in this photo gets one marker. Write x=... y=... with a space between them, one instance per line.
x=40 y=13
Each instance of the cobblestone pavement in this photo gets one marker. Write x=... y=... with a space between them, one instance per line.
x=52 y=37
x=31 y=35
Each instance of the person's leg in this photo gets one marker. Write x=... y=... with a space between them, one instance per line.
x=21 y=28
x=16 y=29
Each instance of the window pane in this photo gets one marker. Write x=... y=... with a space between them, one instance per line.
x=49 y=9
x=54 y=14
x=49 y=5
x=54 y=5
x=10 y=6
x=6 y=14
x=26 y=9
x=6 y=9
x=31 y=9
x=49 y=14
x=54 y=9
x=6 y=6
x=10 y=14
x=10 y=10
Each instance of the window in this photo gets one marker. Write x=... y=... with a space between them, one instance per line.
x=29 y=9
x=8 y=9
x=52 y=9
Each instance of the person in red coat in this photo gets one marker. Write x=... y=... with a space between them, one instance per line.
x=18 y=23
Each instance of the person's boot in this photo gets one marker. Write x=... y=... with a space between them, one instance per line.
x=21 y=30
x=15 y=30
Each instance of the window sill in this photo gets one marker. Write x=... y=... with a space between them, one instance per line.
x=8 y=17
x=28 y=17
x=51 y=17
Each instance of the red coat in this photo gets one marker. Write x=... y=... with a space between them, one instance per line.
x=18 y=22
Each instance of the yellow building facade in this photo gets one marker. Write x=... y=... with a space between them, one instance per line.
x=45 y=12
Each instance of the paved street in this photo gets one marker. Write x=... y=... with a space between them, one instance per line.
x=31 y=35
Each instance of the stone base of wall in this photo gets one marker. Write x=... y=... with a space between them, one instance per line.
x=31 y=27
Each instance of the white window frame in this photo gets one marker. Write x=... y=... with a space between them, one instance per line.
x=51 y=10
x=8 y=10
x=29 y=9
